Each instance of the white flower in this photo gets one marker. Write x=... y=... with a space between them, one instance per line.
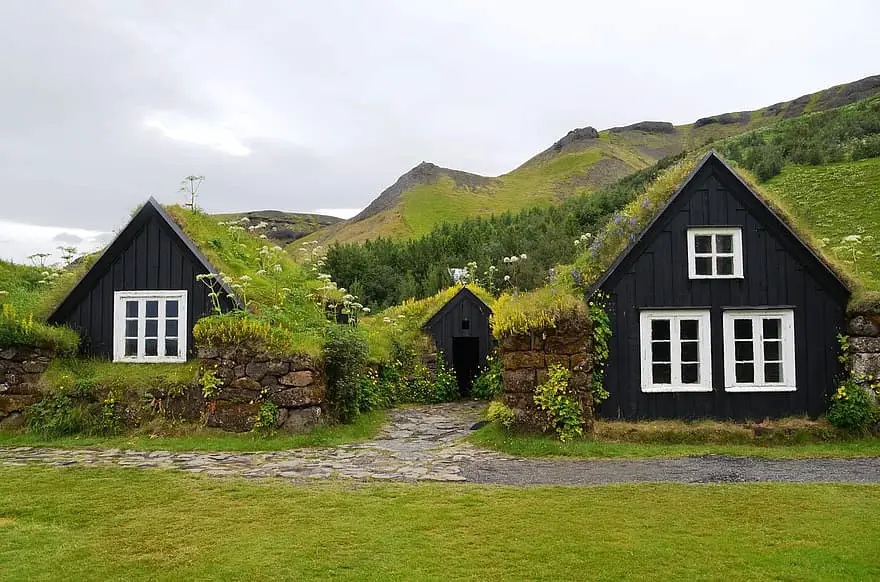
x=514 y=259
x=507 y=277
x=506 y=259
x=277 y=268
x=523 y=256
x=366 y=309
x=244 y=278
x=261 y=272
x=577 y=241
x=853 y=238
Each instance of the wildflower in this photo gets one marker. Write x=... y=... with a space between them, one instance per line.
x=277 y=268
x=261 y=272
x=506 y=278
x=366 y=309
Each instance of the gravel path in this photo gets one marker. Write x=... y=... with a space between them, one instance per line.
x=424 y=444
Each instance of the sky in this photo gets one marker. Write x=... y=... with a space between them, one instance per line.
x=307 y=106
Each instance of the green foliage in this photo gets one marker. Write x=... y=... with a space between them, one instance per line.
x=85 y=376
x=488 y=385
x=538 y=309
x=210 y=383
x=598 y=306
x=563 y=410
x=236 y=328
x=853 y=406
x=25 y=331
x=56 y=415
x=345 y=362
x=267 y=419
x=445 y=382
x=500 y=413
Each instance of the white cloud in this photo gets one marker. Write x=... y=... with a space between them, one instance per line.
x=180 y=128
x=18 y=240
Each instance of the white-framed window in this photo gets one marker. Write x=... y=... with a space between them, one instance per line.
x=149 y=326
x=676 y=349
x=715 y=253
x=759 y=351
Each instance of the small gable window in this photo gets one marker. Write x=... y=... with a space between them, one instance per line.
x=676 y=351
x=465 y=324
x=149 y=326
x=759 y=351
x=715 y=253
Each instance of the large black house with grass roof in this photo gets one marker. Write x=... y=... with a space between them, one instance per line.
x=141 y=298
x=721 y=310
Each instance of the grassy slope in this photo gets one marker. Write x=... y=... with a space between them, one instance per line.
x=836 y=201
x=62 y=523
x=191 y=437
x=550 y=176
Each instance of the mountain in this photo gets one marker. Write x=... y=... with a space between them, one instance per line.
x=284 y=227
x=582 y=161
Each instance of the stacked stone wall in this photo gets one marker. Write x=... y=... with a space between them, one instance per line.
x=526 y=359
x=20 y=371
x=864 y=345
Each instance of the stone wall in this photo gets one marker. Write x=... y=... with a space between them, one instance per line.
x=20 y=371
x=864 y=344
x=251 y=377
x=525 y=360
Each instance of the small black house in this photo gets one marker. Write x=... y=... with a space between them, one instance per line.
x=721 y=310
x=460 y=330
x=140 y=299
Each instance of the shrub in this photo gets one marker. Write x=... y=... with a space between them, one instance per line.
x=563 y=410
x=373 y=394
x=500 y=413
x=345 y=362
x=445 y=382
x=853 y=407
x=56 y=415
x=267 y=419
x=488 y=385
x=238 y=327
x=18 y=329
x=868 y=147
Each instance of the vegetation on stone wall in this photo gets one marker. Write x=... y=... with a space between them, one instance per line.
x=562 y=408
x=538 y=309
x=854 y=404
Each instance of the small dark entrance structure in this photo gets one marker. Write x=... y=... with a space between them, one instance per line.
x=460 y=330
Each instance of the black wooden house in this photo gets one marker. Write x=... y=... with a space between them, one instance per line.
x=140 y=299
x=721 y=310
x=461 y=332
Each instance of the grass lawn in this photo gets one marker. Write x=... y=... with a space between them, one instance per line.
x=494 y=437
x=196 y=438
x=102 y=524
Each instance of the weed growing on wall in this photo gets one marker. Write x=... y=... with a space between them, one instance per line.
x=854 y=404
x=562 y=408
x=500 y=413
x=598 y=306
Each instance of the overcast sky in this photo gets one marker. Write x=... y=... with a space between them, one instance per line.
x=316 y=105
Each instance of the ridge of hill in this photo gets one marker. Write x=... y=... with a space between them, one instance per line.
x=284 y=227
x=583 y=161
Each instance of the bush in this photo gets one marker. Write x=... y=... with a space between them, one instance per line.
x=445 y=382
x=16 y=329
x=488 y=385
x=500 y=413
x=56 y=415
x=563 y=410
x=853 y=407
x=267 y=419
x=868 y=147
x=345 y=362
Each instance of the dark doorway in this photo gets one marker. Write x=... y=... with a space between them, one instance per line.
x=465 y=361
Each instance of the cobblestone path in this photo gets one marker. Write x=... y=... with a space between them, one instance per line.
x=424 y=443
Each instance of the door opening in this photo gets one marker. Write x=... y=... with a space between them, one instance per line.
x=465 y=361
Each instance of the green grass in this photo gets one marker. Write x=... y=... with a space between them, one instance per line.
x=494 y=437
x=190 y=437
x=837 y=201
x=102 y=524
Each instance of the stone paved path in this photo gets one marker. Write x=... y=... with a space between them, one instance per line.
x=424 y=443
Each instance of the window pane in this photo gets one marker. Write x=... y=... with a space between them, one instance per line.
x=660 y=352
x=171 y=328
x=689 y=329
x=772 y=351
x=773 y=372
x=690 y=373
x=690 y=352
x=131 y=347
x=131 y=309
x=151 y=328
x=152 y=308
x=171 y=308
x=772 y=328
x=745 y=373
x=171 y=347
x=743 y=351
x=131 y=328
x=660 y=329
x=662 y=373
x=723 y=243
x=724 y=265
x=703 y=265
x=742 y=328
x=465 y=324
x=703 y=244
x=151 y=347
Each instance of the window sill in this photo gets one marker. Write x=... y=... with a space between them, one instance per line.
x=768 y=388
x=684 y=388
x=710 y=277
x=149 y=360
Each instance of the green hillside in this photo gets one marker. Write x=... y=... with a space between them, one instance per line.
x=582 y=162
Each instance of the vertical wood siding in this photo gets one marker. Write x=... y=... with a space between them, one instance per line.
x=655 y=275
x=446 y=326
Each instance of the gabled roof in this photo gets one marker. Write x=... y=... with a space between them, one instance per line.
x=149 y=211
x=463 y=294
x=712 y=162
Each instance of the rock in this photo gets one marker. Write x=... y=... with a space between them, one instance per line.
x=282 y=417
x=582 y=361
x=518 y=360
x=294 y=397
x=519 y=380
x=647 y=127
x=558 y=360
x=7 y=354
x=516 y=343
x=239 y=371
x=575 y=136
x=866 y=365
x=240 y=390
x=301 y=378
x=268 y=381
x=208 y=353
x=14 y=421
x=864 y=345
x=34 y=366
x=277 y=367
x=233 y=416
x=861 y=325
x=256 y=370
x=302 y=420
x=17 y=402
